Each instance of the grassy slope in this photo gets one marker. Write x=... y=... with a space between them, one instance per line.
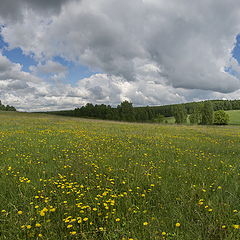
x=127 y=181
x=234 y=116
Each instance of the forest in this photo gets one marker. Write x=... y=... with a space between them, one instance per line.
x=6 y=108
x=127 y=112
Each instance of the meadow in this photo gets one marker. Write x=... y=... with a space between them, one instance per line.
x=70 y=178
x=234 y=116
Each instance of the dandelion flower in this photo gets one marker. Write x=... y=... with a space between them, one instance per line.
x=29 y=226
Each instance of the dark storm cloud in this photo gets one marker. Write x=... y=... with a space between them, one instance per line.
x=13 y=10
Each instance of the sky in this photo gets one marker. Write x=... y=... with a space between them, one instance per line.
x=62 y=54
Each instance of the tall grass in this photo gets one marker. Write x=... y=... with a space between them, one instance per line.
x=64 y=178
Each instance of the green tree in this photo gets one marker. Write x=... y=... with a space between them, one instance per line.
x=207 y=113
x=196 y=116
x=180 y=114
x=126 y=111
x=221 y=117
x=159 y=118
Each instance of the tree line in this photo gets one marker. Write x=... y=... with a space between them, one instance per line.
x=205 y=112
x=6 y=108
x=202 y=113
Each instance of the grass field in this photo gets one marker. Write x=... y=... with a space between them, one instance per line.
x=68 y=178
x=234 y=116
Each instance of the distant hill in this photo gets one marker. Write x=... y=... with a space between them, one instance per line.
x=126 y=112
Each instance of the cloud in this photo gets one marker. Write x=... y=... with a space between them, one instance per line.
x=13 y=71
x=49 y=67
x=12 y=10
x=148 y=89
x=149 y=51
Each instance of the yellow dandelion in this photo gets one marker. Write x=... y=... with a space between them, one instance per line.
x=52 y=209
x=42 y=213
x=29 y=226
x=236 y=226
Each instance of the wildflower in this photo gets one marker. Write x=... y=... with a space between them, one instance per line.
x=73 y=233
x=236 y=226
x=29 y=226
x=20 y=212
x=37 y=225
x=69 y=226
x=117 y=219
x=177 y=224
x=145 y=223
x=42 y=213
x=85 y=219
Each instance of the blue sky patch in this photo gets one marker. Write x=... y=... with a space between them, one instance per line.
x=16 y=55
x=75 y=71
x=236 y=49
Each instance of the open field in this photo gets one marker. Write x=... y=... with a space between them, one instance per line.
x=234 y=116
x=69 y=178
